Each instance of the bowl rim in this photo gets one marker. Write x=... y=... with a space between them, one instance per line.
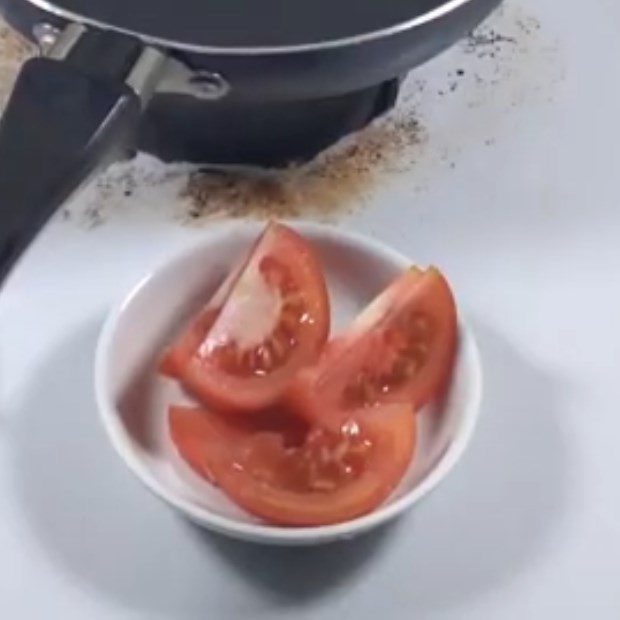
x=259 y=532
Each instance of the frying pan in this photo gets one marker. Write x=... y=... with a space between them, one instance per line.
x=77 y=107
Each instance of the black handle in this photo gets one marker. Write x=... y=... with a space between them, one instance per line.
x=61 y=123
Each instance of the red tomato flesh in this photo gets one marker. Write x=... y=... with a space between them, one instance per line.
x=290 y=473
x=401 y=348
x=178 y=355
x=273 y=321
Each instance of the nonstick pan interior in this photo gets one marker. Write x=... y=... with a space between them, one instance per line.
x=240 y=25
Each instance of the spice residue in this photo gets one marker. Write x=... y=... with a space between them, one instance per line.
x=461 y=98
x=334 y=183
x=142 y=183
x=486 y=42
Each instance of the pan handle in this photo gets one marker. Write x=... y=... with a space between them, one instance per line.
x=68 y=115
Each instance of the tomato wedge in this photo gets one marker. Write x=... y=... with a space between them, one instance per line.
x=400 y=349
x=299 y=476
x=178 y=355
x=274 y=320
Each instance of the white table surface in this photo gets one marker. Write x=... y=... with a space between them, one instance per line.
x=516 y=194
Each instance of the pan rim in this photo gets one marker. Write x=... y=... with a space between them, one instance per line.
x=448 y=6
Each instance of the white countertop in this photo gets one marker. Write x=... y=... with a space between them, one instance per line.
x=515 y=193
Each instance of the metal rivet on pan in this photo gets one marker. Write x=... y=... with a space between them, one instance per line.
x=45 y=35
x=210 y=85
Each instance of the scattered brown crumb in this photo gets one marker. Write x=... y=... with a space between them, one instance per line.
x=509 y=48
x=334 y=183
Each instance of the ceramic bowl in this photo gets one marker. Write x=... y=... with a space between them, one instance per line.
x=133 y=398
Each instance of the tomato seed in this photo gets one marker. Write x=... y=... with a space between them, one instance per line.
x=278 y=346
x=322 y=484
x=265 y=357
x=340 y=450
x=420 y=323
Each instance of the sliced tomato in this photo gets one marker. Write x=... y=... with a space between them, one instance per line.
x=400 y=349
x=273 y=322
x=177 y=356
x=289 y=475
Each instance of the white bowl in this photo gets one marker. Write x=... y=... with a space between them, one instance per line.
x=132 y=398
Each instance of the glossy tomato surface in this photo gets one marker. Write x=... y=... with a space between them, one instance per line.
x=270 y=320
x=176 y=357
x=401 y=348
x=296 y=474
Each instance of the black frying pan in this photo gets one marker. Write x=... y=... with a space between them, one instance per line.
x=77 y=108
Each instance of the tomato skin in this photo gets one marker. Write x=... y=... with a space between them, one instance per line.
x=317 y=391
x=176 y=357
x=214 y=447
x=215 y=386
